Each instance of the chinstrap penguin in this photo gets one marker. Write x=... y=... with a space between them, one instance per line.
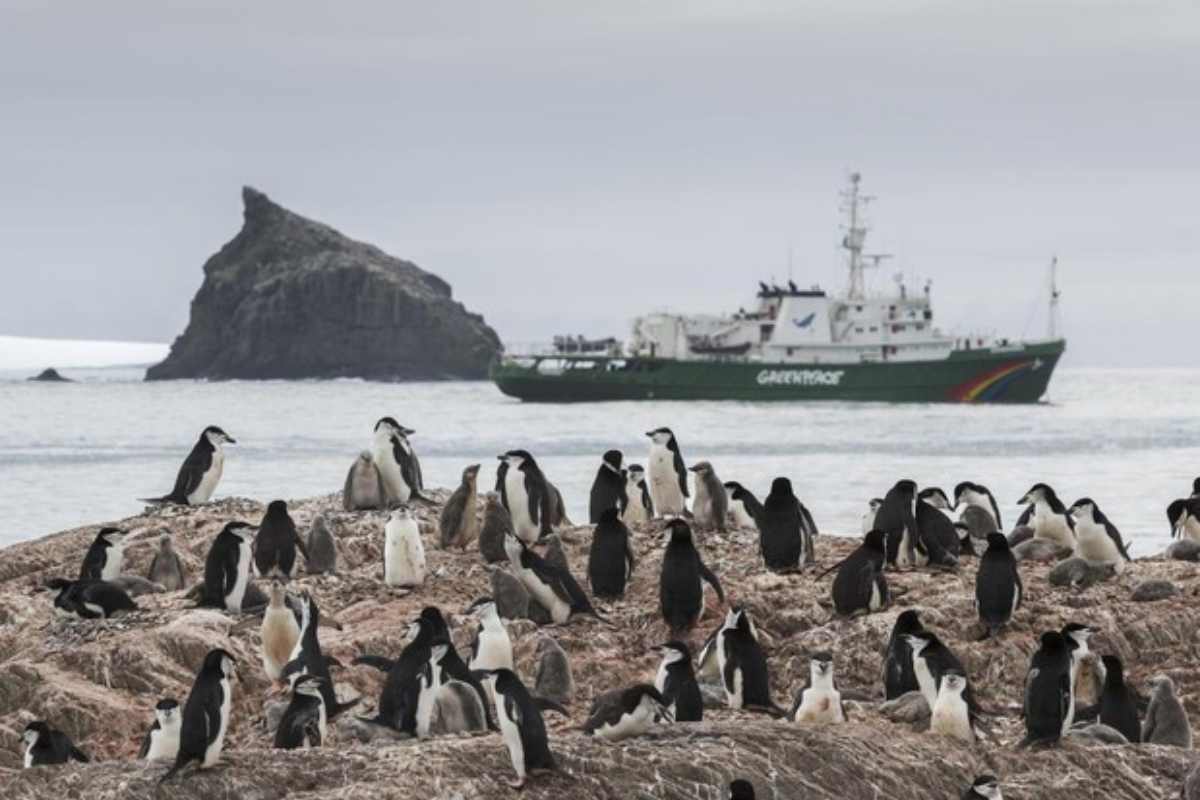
x=458 y=523
x=985 y=787
x=860 y=587
x=161 y=742
x=631 y=712
x=666 y=474
x=1049 y=699
x=491 y=648
x=227 y=567
x=710 y=506
x=897 y=519
x=1097 y=540
x=304 y=722
x=531 y=500
x=201 y=470
x=554 y=588
x=898 y=675
x=745 y=676
x=322 y=547
x=90 y=599
x=521 y=726
x=676 y=681
x=744 y=507
x=276 y=543
x=640 y=508
x=45 y=746
x=105 y=557
x=403 y=552
x=998 y=587
x=610 y=558
x=399 y=468
x=608 y=487
x=819 y=702
x=206 y=713
x=1047 y=516
x=780 y=528
x=680 y=587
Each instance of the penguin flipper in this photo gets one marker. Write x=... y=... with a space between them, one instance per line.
x=78 y=754
x=340 y=708
x=378 y=662
x=707 y=574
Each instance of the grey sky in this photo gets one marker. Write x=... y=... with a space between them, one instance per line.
x=566 y=165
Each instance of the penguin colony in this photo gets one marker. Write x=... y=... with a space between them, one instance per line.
x=908 y=529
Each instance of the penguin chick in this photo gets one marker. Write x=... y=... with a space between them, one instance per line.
x=819 y=702
x=161 y=742
x=403 y=553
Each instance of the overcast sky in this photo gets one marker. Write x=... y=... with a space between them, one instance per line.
x=566 y=165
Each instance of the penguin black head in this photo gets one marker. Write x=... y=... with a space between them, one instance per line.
x=166 y=711
x=935 y=497
x=277 y=508
x=1053 y=641
x=216 y=436
x=612 y=459
x=1196 y=486
x=1084 y=508
x=662 y=436
x=309 y=685
x=1039 y=491
x=109 y=535
x=908 y=622
x=166 y=704
x=680 y=531
x=221 y=662
x=875 y=540
x=293 y=671
x=736 y=618
x=674 y=651
x=480 y=605
x=243 y=530
x=517 y=459
x=919 y=640
x=391 y=426
x=780 y=487
x=1175 y=512
x=741 y=790
x=954 y=681
x=700 y=467
x=432 y=616
x=821 y=663
x=986 y=786
x=636 y=471
x=997 y=542
x=907 y=486
x=736 y=490
x=610 y=516
x=35 y=730
x=1114 y=670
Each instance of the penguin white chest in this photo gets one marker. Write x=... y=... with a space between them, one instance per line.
x=545 y=596
x=404 y=554
x=635 y=511
x=389 y=470
x=233 y=600
x=518 y=507
x=1052 y=526
x=1093 y=544
x=820 y=706
x=426 y=701
x=734 y=690
x=664 y=482
x=213 y=751
x=280 y=633
x=164 y=744
x=660 y=678
x=925 y=680
x=511 y=733
x=114 y=560
x=950 y=716
x=28 y=756
x=629 y=724
x=741 y=517
x=209 y=480
x=1190 y=529
x=495 y=651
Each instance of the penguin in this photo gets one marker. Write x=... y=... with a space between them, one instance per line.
x=45 y=746
x=553 y=681
x=105 y=557
x=937 y=535
x=429 y=682
x=744 y=672
x=458 y=523
x=201 y=470
x=897 y=519
x=403 y=552
x=667 y=476
x=166 y=568
x=1097 y=540
x=676 y=681
x=321 y=547
x=511 y=596
x=227 y=567
x=1184 y=516
x=364 y=489
x=206 y=713
x=398 y=465
x=898 y=675
x=554 y=588
x=710 y=506
x=457 y=709
x=496 y=525
x=276 y=543
x=741 y=790
x=530 y=499
x=640 y=508
x=397 y=708
x=280 y=632
x=1048 y=516
x=521 y=725
x=932 y=661
x=304 y=722
x=985 y=787
x=780 y=535
x=608 y=487
x=950 y=715
x=743 y=505
x=1166 y=720
x=871 y=514
x=90 y=599
x=1076 y=637
x=491 y=648
x=998 y=587
x=308 y=652
x=1049 y=700
x=860 y=586
x=819 y=702
x=610 y=559
x=974 y=495
x=161 y=742
x=1118 y=703
x=966 y=542
x=627 y=714
x=445 y=665
x=680 y=591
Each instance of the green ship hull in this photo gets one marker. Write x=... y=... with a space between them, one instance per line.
x=989 y=375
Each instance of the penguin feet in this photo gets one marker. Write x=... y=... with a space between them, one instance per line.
x=517 y=784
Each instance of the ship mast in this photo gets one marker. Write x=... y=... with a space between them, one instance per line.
x=856 y=235
x=1054 y=293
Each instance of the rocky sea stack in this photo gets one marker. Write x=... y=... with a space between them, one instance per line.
x=292 y=298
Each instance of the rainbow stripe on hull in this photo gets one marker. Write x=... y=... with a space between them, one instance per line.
x=991 y=386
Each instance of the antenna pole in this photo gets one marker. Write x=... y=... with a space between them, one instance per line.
x=1053 y=323
x=856 y=234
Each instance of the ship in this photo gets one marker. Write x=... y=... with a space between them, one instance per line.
x=797 y=344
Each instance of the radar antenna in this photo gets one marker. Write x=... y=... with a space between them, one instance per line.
x=1054 y=295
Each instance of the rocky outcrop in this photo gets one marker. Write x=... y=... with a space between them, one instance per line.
x=292 y=298
x=99 y=682
x=50 y=375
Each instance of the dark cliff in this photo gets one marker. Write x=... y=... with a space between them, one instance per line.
x=292 y=298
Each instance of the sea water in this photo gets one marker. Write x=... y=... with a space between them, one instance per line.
x=82 y=453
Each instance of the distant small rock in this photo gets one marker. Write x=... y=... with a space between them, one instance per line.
x=50 y=375
x=1149 y=591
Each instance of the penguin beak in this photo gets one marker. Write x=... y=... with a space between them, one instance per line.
x=229 y=439
x=650 y=434
x=1024 y=501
